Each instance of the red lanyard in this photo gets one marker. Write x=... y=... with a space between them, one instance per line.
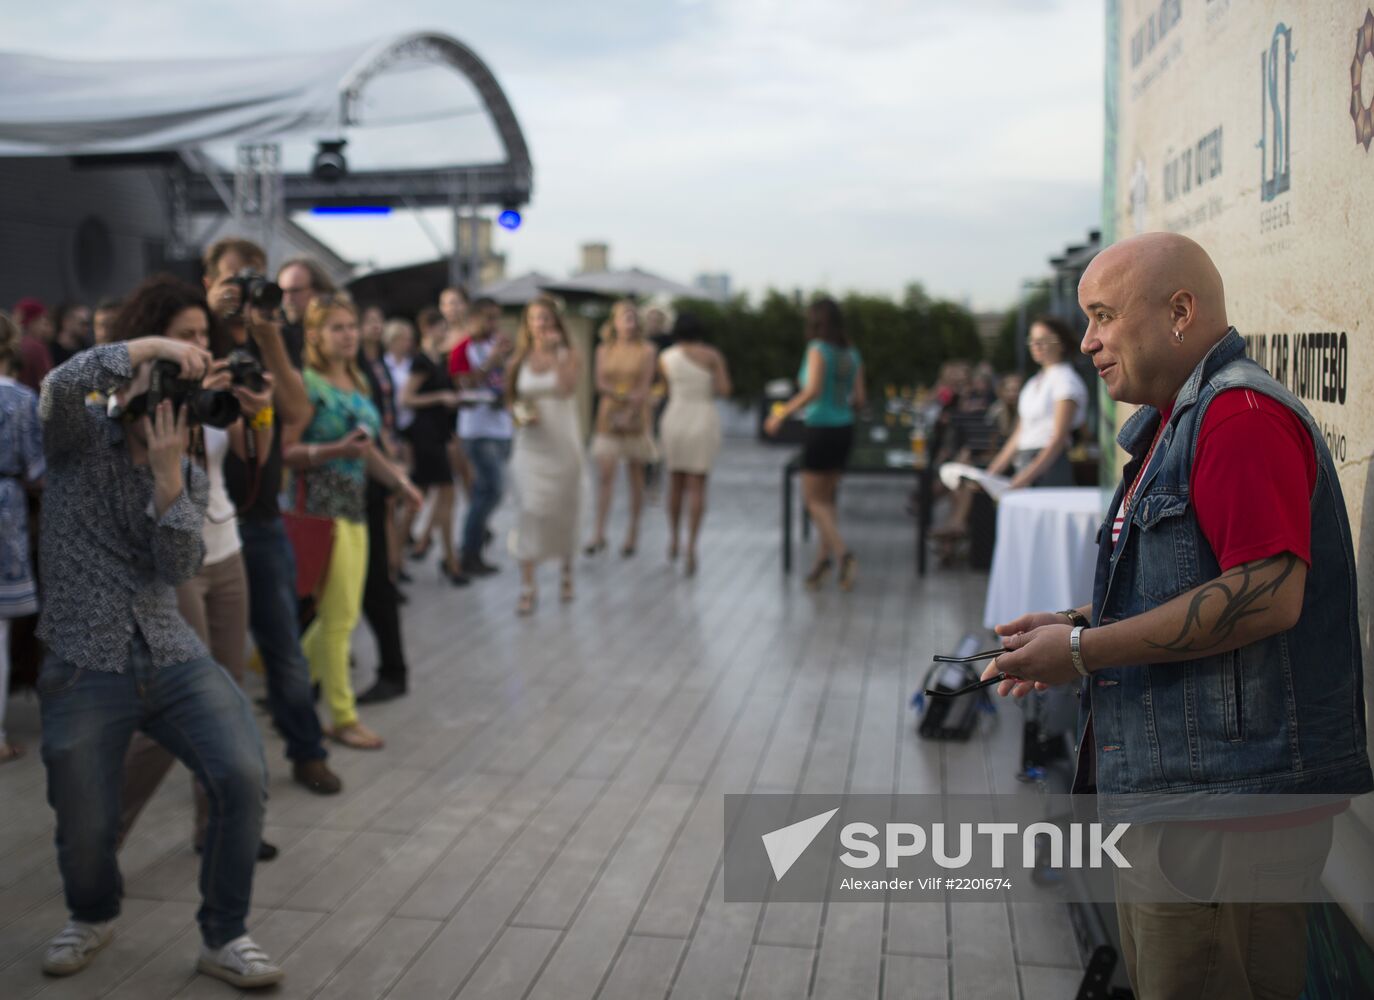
x=1130 y=494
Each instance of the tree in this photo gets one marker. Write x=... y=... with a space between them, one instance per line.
x=902 y=342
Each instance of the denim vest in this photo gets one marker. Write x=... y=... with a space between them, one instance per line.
x=1284 y=714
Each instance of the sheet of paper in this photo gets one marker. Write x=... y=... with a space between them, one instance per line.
x=952 y=472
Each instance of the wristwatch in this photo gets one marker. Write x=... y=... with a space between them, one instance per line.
x=1075 y=653
x=1075 y=617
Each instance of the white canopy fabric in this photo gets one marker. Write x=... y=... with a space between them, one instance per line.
x=58 y=107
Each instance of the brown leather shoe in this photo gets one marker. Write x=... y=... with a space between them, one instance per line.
x=316 y=776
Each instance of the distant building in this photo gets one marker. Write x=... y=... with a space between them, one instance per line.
x=1068 y=269
x=716 y=286
x=491 y=266
x=596 y=258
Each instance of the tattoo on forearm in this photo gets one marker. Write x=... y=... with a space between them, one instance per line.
x=1242 y=593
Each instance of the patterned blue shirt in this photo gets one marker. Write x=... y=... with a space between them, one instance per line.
x=110 y=564
x=338 y=487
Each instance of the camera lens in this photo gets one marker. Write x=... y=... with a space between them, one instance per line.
x=264 y=294
x=246 y=370
x=212 y=409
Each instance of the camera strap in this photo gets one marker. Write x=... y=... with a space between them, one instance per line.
x=253 y=470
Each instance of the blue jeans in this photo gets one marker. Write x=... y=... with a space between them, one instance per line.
x=488 y=457
x=271 y=567
x=197 y=712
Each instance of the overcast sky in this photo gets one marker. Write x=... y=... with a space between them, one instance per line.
x=844 y=144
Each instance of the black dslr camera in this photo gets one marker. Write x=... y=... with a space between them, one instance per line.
x=256 y=291
x=245 y=370
x=203 y=406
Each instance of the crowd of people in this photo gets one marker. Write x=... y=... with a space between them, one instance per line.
x=159 y=432
x=265 y=458
x=262 y=458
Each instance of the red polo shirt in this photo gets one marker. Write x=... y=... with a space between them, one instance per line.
x=1253 y=475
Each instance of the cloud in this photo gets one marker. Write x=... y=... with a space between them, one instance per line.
x=864 y=143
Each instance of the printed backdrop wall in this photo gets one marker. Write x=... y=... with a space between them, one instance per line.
x=1247 y=125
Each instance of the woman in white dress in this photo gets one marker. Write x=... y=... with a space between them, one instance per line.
x=696 y=374
x=546 y=462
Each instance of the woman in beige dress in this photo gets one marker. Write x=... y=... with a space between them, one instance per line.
x=546 y=462
x=624 y=378
x=690 y=431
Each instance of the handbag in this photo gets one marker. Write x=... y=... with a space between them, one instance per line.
x=312 y=540
x=626 y=418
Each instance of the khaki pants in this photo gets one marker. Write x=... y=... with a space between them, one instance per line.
x=1193 y=950
x=215 y=604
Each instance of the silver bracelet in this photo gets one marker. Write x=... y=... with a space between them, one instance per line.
x=1075 y=652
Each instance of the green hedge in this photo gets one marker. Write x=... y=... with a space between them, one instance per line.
x=902 y=342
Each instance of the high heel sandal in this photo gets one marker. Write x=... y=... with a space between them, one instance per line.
x=565 y=587
x=627 y=550
x=356 y=736
x=525 y=606
x=418 y=553
x=816 y=577
x=849 y=571
x=594 y=548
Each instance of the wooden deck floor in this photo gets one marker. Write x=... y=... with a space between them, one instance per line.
x=546 y=820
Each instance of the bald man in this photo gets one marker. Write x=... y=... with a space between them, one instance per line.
x=1221 y=650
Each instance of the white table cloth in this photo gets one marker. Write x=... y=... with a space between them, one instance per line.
x=1046 y=551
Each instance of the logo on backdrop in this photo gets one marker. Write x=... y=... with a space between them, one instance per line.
x=1362 y=111
x=1275 y=104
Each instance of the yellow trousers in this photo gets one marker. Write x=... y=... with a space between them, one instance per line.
x=326 y=641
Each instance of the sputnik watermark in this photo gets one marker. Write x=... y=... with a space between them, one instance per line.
x=1021 y=847
x=909 y=840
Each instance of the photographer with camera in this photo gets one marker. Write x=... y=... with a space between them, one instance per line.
x=234 y=274
x=122 y=524
x=215 y=601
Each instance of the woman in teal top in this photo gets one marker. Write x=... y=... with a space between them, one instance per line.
x=334 y=456
x=832 y=380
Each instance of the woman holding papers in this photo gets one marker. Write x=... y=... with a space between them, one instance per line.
x=1052 y=405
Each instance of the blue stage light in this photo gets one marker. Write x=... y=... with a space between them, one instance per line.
x=351 y=210
x=509 y=219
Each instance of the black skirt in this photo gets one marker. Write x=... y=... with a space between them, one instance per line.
x=430 y=464
x=826 y=449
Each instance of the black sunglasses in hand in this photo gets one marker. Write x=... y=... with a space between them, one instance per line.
x=987 y=654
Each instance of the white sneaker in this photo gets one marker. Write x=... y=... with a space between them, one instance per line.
x=240 y=963
x=75 y=945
